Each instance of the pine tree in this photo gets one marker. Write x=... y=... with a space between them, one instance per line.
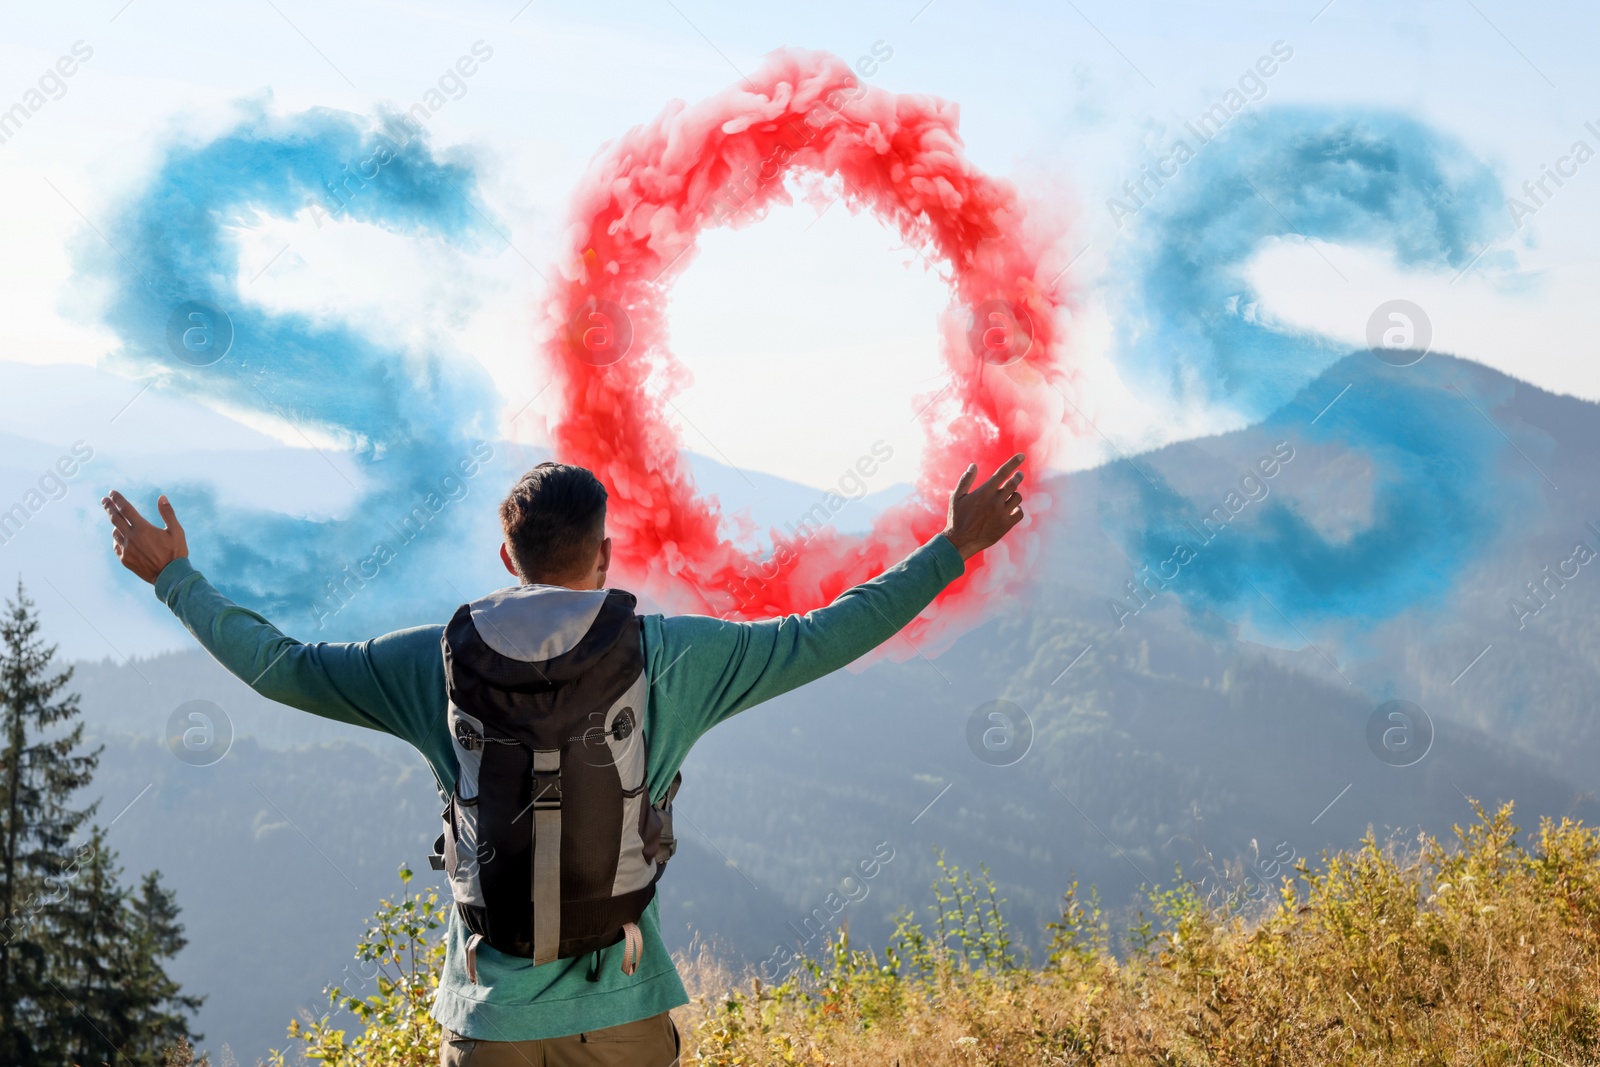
x=85 y=1010
x=155 y=936
x=115 y=1002
x=41 y=766
x=83 y=975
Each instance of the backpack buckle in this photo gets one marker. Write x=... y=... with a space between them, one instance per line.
x=467 y=737
x=546 y=790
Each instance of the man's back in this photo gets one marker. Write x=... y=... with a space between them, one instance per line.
x=701 y=671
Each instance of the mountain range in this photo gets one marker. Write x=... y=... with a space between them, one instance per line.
x=1191 y=730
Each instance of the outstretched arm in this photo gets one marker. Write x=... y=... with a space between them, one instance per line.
x=705 y=669
x=394 y=683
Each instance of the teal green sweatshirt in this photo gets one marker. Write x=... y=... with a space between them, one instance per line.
x=702 y=671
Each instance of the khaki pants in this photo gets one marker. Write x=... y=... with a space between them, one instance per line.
x=651 y=1042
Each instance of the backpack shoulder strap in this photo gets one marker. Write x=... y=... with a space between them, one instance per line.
x=546 y=895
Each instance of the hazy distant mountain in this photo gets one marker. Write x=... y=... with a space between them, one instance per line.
x=137 y=437
x=1166 y=741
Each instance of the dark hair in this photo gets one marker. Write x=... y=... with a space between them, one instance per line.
x=554 y=519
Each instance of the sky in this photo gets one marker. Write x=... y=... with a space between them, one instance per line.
x=809 y=334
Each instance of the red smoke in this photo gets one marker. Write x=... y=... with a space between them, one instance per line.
x=635 y=220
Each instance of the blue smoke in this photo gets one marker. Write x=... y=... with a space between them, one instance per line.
x=1441 y=481
x=1185 y=315
x=1188 y=322
x=417 y=428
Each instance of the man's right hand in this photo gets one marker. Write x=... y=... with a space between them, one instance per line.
x=144 y=548
x=980 y=517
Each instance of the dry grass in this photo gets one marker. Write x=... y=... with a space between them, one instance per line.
x=1482 y=952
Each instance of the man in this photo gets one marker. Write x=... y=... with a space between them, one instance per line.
x=497 y=1008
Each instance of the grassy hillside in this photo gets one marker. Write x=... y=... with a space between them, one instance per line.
x=1482 y=951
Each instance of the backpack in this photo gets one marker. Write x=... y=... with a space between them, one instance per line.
x=551 y=842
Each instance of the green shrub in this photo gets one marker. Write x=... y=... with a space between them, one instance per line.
x=1478 y=952
x=406 y=959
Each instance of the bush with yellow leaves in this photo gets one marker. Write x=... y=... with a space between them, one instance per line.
x=1480 y=951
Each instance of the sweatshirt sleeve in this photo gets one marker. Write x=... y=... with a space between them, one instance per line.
x=393 y=683
x=705 y=670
